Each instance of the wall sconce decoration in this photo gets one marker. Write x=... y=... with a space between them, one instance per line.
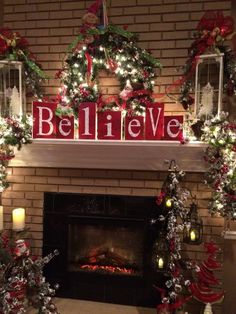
x=193 y=234
x=12 y=93
x=208 y=85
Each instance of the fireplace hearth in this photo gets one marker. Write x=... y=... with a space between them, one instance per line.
x=105 y=246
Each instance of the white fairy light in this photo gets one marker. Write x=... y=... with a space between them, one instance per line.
x=101 y=48
x=76 y=65
x=84 y=48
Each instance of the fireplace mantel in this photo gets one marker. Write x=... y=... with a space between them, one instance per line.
x=118 y=155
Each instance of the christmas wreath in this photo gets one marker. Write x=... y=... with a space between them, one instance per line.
x=221 y=158
x=212 y=31
x=114 y=50
x=13 y=47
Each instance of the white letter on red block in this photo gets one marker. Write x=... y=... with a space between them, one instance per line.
x=87 y=120
x=154 y=121
x=173 y=128
x=109 y=125
x=44 y=119
x=134 y=128
x=65 y=127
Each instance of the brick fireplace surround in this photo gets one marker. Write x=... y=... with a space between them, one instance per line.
x=28 y=185
x=165 y=27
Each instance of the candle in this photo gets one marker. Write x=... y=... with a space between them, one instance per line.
x=1 y=218
x=160 y=263
x=193 y=235
x=18 y=219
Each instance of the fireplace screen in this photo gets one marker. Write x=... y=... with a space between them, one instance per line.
x=105 y=247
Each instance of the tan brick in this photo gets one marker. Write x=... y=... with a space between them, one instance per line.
x=162 y=27
x=46 y=188
x=136 y=10
x=21 y=203
x=217 y=5
x=48 y=7
x=163 y=8
x=14 y=17
x=22 y=187
x=35 y=179
x=34 y=195
x=73 y=5
x=46 y=172
x=11 y=194
x=38 y=203
x=122 y=3
x=70 y=189
x=61 y=14
x=186 y=25
x=121 y=20
x=175 y=17
x=57 y=180
x=146 y=2
x=190 y=7
x=131 y=183
x=61 y=31
x=16 y=179
x=24 y=171
x=37 y=16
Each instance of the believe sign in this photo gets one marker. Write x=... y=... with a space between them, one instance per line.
x=106 y=125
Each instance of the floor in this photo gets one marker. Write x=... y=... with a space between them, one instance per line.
x=70 y=306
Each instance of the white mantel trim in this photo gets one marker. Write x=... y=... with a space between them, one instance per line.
x=117 y=155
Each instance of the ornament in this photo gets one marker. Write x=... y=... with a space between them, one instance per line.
x=206 y=104
x=208 y=309
x=15 y=105
x=124 y=94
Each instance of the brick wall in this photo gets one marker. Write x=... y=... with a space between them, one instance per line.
x=165 y=27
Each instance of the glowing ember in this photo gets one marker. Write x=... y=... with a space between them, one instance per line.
x=109 y=269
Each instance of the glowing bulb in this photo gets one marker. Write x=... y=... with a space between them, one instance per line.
x=160 y=262
x=168 y=203
x=84 y=48
x=193 y=235
x=101 y=48
x=76 y=65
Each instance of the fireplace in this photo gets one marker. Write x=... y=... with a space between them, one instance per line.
x=105 y=246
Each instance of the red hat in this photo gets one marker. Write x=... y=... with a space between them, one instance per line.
x=95 y=7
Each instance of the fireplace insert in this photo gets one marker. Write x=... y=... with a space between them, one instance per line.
x=105 y=245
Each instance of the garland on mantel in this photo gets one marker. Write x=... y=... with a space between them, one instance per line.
x=14 y=132
x=221 y=158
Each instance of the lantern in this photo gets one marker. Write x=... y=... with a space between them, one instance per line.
x=160 y=254
x=12 y=95
x=208 y=85
x=193 y=234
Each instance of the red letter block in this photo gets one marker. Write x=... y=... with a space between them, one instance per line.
x=65 y=127
x=109 y=125
x=154 y=121
x=44 y=125
x=134 y=128
x=173 y=128
x=87 y=120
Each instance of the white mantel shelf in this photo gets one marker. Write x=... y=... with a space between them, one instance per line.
x=117 y=155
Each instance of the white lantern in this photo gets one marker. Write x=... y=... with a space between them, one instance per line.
x=12 y=94
x=208 y=85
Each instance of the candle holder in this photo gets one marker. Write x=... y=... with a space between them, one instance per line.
x=160 y=256
x=193 y=234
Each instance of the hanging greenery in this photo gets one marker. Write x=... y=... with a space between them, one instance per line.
x=221 y=158
x=114 y=50
x=14 y=132
x=13 y=47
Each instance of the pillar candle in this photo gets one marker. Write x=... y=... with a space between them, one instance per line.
x=193 y=236
x=1 y=218
x=18 y=219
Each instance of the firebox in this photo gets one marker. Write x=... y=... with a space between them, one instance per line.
x=105 y=246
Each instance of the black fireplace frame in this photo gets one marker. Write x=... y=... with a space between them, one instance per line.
x=62 y=208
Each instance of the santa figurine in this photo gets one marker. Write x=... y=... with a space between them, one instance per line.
x=90 y=19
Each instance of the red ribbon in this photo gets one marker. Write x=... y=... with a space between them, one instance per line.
x=89 y=63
